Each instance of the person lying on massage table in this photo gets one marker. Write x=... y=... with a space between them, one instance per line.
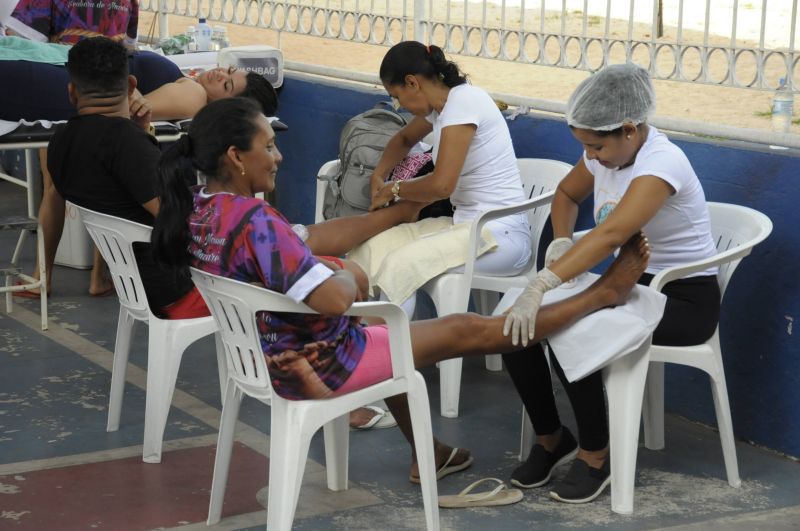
x=169 y=95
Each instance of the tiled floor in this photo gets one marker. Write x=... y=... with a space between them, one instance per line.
x=60 y=469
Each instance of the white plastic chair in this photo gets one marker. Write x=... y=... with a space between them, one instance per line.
x=168 y=338
x=635 y=383
x=450 y=292
x=736 y=229
x=293 y=422
x=25 y=225
x=326 y=172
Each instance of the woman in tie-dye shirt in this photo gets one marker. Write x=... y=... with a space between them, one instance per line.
x=228 y=232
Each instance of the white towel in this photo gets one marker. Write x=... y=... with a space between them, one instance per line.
x=603 y=336
x=400 y=260
x=7 y=126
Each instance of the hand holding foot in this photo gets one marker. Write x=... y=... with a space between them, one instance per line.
x=521 y=319
x=617 y=282
x=410 y=209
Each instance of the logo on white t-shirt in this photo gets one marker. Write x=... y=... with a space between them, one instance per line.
x=604 y=210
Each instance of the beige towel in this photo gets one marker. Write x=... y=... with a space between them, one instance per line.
x=400 y=260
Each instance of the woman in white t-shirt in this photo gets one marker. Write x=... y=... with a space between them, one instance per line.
x=640 y=181
x=474 y=161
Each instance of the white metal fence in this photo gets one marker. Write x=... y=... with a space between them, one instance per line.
x=733 y=43
x=738 y=43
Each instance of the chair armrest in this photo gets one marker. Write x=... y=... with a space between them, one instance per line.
x=329 y=170
x=674 y=273
x=388 y=311
x=497 y=213
x=326 y=175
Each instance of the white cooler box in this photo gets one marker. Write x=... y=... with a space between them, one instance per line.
x=75 y=249
x=259 y=58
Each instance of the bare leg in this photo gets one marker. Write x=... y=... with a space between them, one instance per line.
x=362 y=282
x=470 y=334
x=51 y=217
x=98 y=282
x=458 y=335
x=336 y=237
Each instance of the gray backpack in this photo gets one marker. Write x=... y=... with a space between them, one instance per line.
x=361 y=144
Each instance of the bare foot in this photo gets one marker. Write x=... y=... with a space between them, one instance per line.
x=595 y=459
x=618 y=280
x=361 y=416
x=411 y=209
x=101 y=287
x=442 y=453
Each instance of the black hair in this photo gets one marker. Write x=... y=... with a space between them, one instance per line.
x=414 y=58
x=218 y=126
x=614 y=132
x=261 y=90
x=98 y=66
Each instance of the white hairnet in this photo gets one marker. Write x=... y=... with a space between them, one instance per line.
x=615 y=95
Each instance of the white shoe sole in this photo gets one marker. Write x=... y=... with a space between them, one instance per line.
x=589 y=498
x=565 y=459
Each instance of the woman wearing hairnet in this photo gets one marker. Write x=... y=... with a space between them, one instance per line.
x=641 y=182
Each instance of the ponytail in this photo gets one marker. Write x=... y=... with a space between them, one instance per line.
x=414 y=58
x=170 y=238
x=446 y=70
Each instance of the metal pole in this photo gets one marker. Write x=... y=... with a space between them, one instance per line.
x=660 y=32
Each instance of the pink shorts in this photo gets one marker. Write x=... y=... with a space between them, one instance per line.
x=376 y=362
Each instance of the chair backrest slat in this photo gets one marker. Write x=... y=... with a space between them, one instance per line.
x=234 y=306
x=540 y=176
x=733 y=226
x=114 y=237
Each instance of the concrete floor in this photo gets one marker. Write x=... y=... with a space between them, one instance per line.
x=60 y=469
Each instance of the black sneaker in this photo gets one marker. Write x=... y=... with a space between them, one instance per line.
x=582 y=483
x=536 y=471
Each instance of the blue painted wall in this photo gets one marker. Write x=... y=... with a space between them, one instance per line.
x=762 y=355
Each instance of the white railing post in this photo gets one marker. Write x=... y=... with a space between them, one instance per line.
x=163 y=22
x=419 y=20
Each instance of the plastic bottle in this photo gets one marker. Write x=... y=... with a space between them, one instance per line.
x=221 y=37
x=191 y=37
x=215 y=47
x=190 y=42
x=782 y=108
x=203 y=36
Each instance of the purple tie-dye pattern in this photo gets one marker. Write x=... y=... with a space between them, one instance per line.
x=68 y=21
x=248 y=240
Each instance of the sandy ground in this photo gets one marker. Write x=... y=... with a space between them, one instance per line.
x=709 y=103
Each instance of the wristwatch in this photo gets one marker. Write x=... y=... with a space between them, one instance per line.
x=396 y=190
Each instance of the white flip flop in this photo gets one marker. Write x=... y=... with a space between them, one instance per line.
x=446 y=469
x=382 y=419
x=500 y=495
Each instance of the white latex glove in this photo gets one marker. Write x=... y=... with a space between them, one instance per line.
x=556 y=250
x=521 y=319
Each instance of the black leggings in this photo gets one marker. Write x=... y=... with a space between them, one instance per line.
x=690 y=317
